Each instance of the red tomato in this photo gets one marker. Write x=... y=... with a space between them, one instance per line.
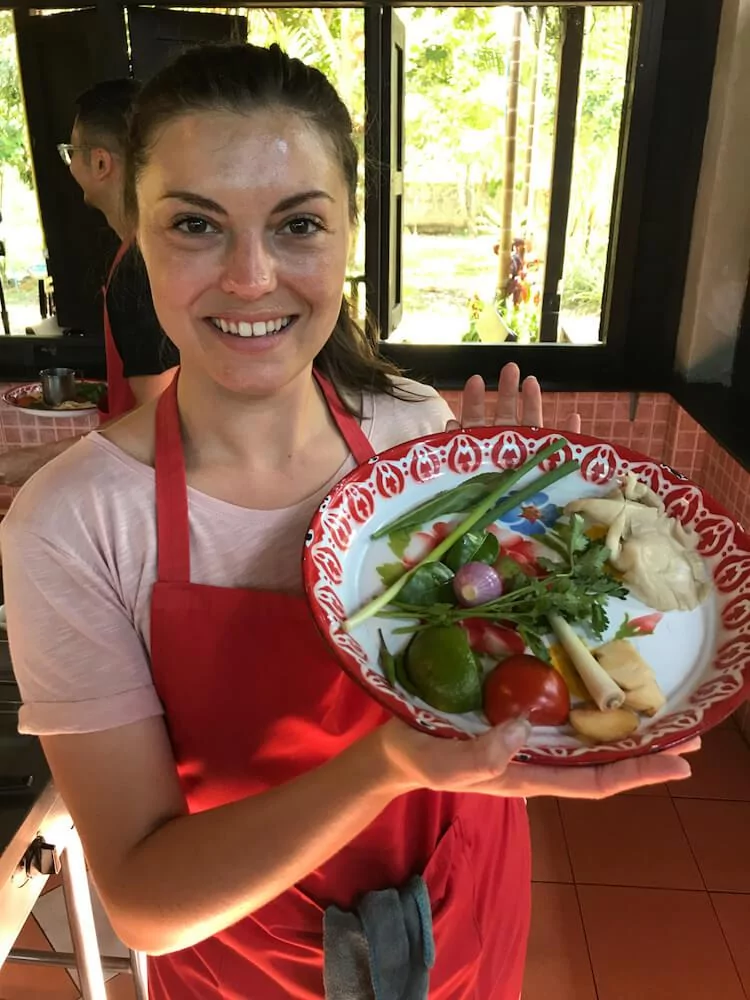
x=525 y=685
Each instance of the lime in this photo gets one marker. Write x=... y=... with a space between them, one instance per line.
x=442 y=668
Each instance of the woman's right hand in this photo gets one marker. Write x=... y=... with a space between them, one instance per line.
x=485 y=766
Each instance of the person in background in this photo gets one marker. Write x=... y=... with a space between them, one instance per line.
x=240 y=799
x=141 y=360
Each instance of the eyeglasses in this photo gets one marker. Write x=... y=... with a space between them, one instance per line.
x=66 y=149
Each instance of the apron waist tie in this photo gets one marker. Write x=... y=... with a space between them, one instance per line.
x=383 y=951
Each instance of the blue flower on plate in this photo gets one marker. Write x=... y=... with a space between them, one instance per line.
x=533 y=516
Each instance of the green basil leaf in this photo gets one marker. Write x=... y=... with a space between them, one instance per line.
x=488 y=551
x=463 y=551
x=431 y=584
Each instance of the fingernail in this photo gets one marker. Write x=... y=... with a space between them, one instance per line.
x=516 y=733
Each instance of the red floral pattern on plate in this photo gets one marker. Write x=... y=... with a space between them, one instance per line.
x=389 y=479
x=464 y=454
x=509 y=450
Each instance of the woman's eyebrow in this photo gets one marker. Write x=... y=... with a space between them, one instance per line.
x=195 y=199
x=293 y=201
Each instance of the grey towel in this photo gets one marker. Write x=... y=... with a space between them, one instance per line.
x=383 y=951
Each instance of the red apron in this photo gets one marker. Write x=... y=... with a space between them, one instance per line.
x=253 y=698
x=120 y=398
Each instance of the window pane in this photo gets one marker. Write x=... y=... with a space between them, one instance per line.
x=600 y=103
x=21 y=231
x=480 y=123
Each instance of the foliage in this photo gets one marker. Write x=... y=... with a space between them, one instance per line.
x=584 y=283
x=522 y=319
x=13 y=151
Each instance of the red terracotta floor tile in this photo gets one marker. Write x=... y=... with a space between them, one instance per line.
x=719 y=834
x=733 y=911
x=557 y=967
x=121 y=988
x=721 y=769
x=630 y=841
x=549 y=852
x=658 y=944
x=35 y=982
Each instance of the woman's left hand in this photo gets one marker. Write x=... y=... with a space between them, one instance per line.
x=515 y=403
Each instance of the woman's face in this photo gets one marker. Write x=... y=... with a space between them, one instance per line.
x=243 y=224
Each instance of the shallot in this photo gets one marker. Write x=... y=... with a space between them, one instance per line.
x=477 y=583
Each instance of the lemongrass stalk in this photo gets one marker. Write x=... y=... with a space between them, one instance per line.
x=597 y=681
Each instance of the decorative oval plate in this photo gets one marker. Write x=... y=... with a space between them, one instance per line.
x=701 y=657
x=15 y=395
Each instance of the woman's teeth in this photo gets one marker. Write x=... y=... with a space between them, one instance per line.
x=259 y=329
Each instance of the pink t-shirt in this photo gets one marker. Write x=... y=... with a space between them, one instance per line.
x=79 y=563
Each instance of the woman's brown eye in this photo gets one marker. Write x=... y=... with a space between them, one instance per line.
x=194 y=226
x=302 y=227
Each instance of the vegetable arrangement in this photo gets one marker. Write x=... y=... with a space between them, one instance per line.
x=483 y=627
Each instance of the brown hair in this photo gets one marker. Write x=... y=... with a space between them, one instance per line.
x=247 y=77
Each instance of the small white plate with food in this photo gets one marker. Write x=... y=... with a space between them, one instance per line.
x=474 y=576
x=89 y=396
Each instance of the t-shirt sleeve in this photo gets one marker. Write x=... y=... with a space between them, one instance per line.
x=80 y=663
x=415 y=411
x=141 y=343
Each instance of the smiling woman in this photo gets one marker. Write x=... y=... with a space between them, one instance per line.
x=254 y=271
x=240 y=799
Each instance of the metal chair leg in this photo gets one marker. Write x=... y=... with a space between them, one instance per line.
x=81 y=920
x=139 y=968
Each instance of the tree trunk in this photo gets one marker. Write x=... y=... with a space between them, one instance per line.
x=528 y=202
x=511 y=130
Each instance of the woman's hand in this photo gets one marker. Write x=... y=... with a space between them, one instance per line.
x=484 y=766
x=515 y=403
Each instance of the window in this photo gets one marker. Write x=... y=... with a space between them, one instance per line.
x=486 y=110
x=523 y=131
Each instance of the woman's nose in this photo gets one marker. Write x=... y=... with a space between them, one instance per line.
x=249 y=268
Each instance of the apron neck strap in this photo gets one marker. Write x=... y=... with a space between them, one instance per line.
x=172 y=523
x=172 y=520
x=349 y=428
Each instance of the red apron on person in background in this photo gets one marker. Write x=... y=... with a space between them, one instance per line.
x=253 y=698
x=120 y=398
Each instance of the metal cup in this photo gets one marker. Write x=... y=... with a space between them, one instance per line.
x=58 y=385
